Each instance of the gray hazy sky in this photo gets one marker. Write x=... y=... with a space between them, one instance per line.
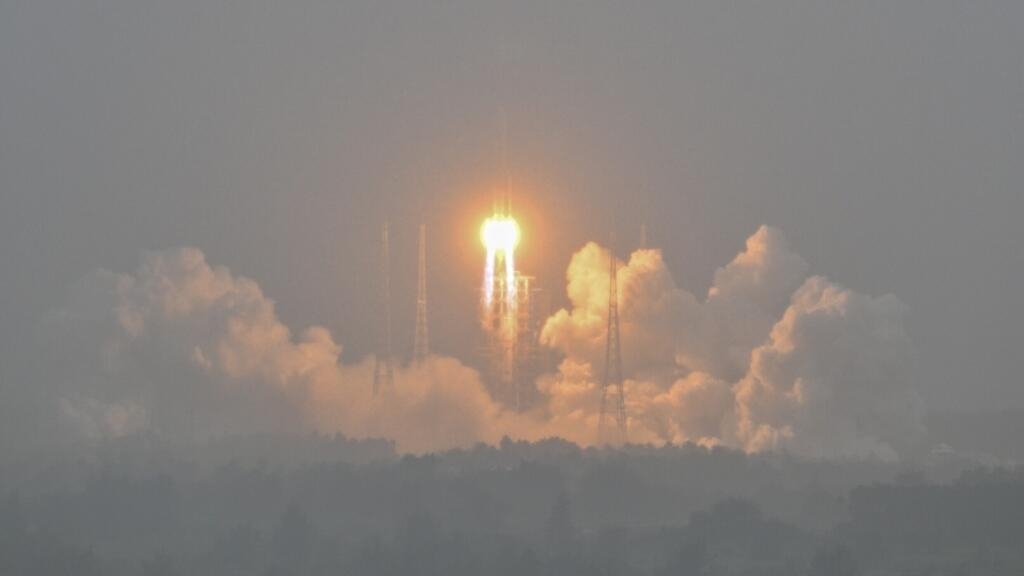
x=885 y=138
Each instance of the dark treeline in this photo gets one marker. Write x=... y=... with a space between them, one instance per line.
x=315 y=505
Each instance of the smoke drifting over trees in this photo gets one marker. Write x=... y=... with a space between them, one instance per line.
x=769 y=359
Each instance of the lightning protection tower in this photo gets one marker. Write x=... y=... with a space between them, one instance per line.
x=421 y=342
x=613 y=394
x=383 y=369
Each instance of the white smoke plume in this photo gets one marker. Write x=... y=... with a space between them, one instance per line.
x=768 y=360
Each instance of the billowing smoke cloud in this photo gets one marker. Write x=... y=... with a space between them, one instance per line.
x=664 y=326
x=834 y=377
x=747 y=297
x=651 y=311
x=186 y=349
x=768 y=360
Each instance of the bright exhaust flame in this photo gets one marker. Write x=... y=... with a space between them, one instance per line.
x=500 y=235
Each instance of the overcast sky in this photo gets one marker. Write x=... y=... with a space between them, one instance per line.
x=886 y=139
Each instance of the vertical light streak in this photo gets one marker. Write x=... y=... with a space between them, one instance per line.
x=510 y=276
x=489 y=278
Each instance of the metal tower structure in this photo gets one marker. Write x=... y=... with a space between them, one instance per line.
x=421 y=342
x=613 y=394
x=383 y=369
